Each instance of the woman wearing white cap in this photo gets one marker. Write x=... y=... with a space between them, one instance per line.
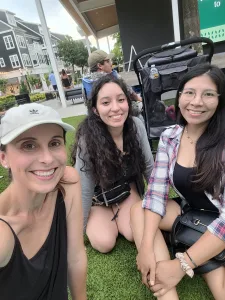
x=40 y=211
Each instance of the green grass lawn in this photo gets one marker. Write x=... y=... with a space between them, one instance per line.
x=114 y=275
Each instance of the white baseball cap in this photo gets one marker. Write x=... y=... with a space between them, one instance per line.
x=19 y=119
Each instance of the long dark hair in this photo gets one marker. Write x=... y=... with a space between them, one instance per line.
x=210 y=145
x=94 y=140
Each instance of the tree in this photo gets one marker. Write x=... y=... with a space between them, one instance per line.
x=73 y=52
x=191 y=21
x=116 y=36
x=117 y=50
x=93 y=48
x=46 y=75
x=32 y=81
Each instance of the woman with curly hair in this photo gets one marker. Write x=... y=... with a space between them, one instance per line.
x=111 y=154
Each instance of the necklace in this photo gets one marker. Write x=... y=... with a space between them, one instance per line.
x=189 y=138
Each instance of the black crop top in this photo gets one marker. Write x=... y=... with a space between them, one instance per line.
x=182 y=180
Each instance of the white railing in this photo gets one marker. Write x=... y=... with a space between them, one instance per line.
x=35 y=47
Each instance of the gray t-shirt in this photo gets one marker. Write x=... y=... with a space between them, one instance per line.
x=86 y=177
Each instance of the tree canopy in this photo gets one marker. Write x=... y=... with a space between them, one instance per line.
x=73 y=52
x=117 y=50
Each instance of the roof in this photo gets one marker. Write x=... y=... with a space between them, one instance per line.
x=59 y=36
x=18 y=19
x=28 y=22
x=4 y=26
x=30 y=28
x=94 y=17
x=7 y=11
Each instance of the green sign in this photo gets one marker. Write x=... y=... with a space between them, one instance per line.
x=212 y=19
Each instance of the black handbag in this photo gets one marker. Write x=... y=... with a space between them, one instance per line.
x=188 y=228
x=112 y=196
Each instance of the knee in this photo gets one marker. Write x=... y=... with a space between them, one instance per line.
x=103 y=244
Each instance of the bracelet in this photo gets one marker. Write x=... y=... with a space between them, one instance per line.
x=184 y=265
x=194 y=264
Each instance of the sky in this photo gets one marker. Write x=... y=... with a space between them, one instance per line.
x=57 y=18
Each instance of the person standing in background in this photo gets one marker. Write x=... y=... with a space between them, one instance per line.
x=51 y=78
x=65 y=79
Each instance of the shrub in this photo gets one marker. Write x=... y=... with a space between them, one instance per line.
x=3 y=83
x=37 y=97
x=50 y=95
x=7 y=102
x=23 y=88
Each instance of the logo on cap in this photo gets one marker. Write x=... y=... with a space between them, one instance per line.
x=34 y=111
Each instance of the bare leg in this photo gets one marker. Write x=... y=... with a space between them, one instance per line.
x=101 y=231
x=161 y=250
x=137 y=219
x=216 y=283
x=123 y=219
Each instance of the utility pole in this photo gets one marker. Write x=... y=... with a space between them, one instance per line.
x=50 y=51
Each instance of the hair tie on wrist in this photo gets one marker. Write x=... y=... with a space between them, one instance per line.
x=194 y=264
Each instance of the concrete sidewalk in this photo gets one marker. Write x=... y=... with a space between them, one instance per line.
x=70 y=111
x=130 y=78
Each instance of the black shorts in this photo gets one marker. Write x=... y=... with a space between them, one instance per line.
x=55 y=87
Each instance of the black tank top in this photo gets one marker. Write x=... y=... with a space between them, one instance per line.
x=182 y=178
x=65 y=82
x=44 y=276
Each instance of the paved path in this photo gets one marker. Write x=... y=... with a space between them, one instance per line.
x=131 y=79
x=71 y=109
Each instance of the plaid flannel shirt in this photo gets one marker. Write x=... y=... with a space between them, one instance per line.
x=162 y=177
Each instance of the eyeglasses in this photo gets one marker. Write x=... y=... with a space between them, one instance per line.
x=190 y=94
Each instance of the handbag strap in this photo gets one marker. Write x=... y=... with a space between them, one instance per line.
x=104 y=197
x=173 y=234
x=185 y=207
x=209 y=266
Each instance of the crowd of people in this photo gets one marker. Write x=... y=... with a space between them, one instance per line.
x=103 y=193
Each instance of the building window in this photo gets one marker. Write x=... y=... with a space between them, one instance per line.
x=26 y=60
x=42 y=59
x=36 y=45
x=2 y=62
x=34 y=59
x=21 y=41
x=8 y=42
x=11 y=19
x=14 y=61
